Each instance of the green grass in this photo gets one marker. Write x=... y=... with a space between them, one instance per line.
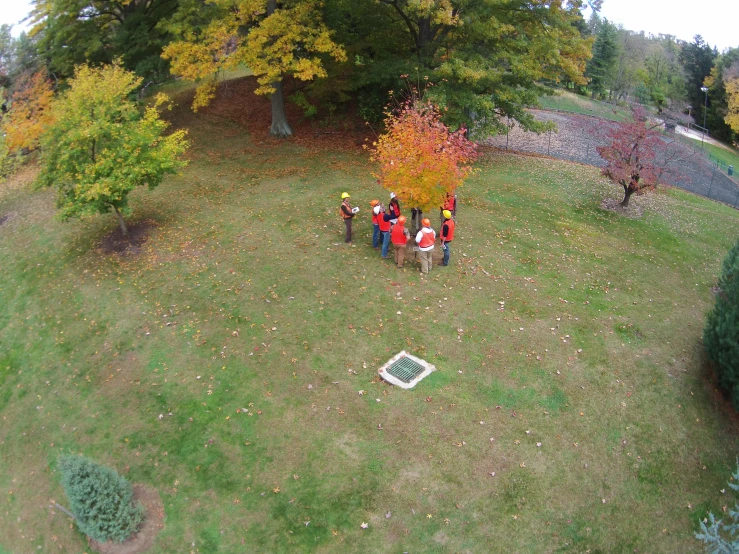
x=567 y=101
x=725 y=155
x=244 y=296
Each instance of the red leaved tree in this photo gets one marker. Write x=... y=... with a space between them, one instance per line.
x=631 y=156
x=420 y=159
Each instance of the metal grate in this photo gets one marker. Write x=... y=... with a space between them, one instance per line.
x=405 y=369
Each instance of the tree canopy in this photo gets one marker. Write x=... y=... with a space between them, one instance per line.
x=487 y=58
x=273 y=40
x=73 y=32
x=29 y=114
x=420 y=159
x=631 y=156
x=100 y=146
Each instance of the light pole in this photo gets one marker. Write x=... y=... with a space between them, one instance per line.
x=705 y=110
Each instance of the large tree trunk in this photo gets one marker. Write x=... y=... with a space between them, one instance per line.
x=280 y=127
x=122 y=223
x=628 y=191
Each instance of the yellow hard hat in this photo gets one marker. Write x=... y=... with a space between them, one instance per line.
x=344 y=195
x=447 y=214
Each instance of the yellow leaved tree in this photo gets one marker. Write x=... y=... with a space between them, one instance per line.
x=102 y=145
x=732 y=97
x=272 y=39
x=29 y=114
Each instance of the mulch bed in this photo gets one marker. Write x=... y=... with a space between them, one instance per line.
x=130 y=244
x=235 y=100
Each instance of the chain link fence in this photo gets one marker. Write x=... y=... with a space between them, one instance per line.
x=577 y=137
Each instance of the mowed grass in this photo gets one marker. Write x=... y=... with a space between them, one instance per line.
x=566 y=101
x=222 y=364
x=724 y=154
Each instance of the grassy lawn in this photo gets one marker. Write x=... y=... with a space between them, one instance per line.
x=570 y=102
x=725 y=155
x=222 y=364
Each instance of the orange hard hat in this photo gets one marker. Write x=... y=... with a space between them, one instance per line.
x=401 y=219
x=374 y=203
x=426 y=222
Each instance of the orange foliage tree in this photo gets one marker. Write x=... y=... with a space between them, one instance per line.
x=29 y=114
x=420 y=158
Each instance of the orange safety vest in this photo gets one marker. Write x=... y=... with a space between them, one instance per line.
x=384 y=225
x=375 y=221
x=395 y=209
x=426 y=240
x=397 y=236
x=348 y=207
x=450 y=230
x=449 y=204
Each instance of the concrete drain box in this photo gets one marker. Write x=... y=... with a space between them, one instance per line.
x=404 y=370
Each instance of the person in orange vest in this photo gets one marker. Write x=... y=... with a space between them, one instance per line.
x=399 y=235
x=394 y=208
x=347 y=214
x=383 y=220
x=375 y=226
x=425 y=239
x=450 y=204
x=446 y=235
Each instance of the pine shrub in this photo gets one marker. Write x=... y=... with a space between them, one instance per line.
x=722 y=536
x=100 y=499
x=721 y=333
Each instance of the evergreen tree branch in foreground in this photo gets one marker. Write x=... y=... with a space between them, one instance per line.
x=722 y=536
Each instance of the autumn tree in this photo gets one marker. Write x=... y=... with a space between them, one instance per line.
x=101 y=146
x=29 y=113
x=488 y=58
x=273 y=39
x=731 y=85
x=722 y=73
x=420 y=158
x=631 y=155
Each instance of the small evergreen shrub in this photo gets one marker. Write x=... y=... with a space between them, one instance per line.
x=721 y=334
x=722 y=536
x=100 y=499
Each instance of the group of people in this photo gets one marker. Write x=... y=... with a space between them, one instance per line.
x=388 y=226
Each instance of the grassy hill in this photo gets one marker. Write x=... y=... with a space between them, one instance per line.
x=567 y=101
x=220 y=361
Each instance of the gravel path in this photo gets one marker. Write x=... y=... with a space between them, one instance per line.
x=577 y=137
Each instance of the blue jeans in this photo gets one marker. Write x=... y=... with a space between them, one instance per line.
x=385 y=243
x=375 y=235
x=447 y=253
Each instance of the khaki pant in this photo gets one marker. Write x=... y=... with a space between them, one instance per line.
x=426 y=260
x=399 y=254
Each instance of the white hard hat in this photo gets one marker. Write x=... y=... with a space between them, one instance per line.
x=376 y=210
x=392 y=195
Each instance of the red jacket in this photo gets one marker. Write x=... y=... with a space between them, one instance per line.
x=397 y=235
